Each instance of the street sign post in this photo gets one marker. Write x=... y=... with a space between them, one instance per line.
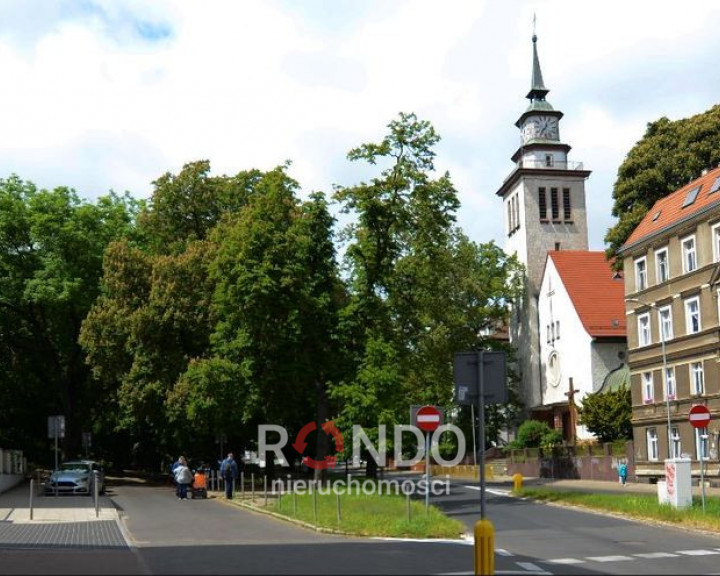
x=700 y=418
x=428 y=419
x=56 y=429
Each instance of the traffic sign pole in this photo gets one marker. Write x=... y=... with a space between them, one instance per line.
x=427 y=472
x=428 y=420
x=484 y=531
x=700 y=418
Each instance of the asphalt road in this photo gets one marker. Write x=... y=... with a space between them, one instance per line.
x=562 y=540
x=167 y=536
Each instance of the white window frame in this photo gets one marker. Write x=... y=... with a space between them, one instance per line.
x=697 y=378
x=676 y=442
x=648 y=387
x=641 y=276
x=716 y=242
x=662 y=265
x=644 y=334
x=689 y=252
x=701 y=444
x=670 y=383
x=653 y=452
x=665 y=323
x=689 y=315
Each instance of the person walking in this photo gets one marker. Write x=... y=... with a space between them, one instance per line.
x=622 y=473
x=183 y=478
x=229 y=473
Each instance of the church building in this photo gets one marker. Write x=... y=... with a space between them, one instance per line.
x=544 y=210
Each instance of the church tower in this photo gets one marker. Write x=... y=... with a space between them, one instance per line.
x=544 y=209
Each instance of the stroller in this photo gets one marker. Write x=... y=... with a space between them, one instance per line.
x=199 y=485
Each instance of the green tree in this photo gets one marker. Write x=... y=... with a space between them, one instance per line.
x=670 y=154
x=51 y=247
x=419 y=289
x=608 y=414
x=154 y=316
x=536 y=434
x=277 y=300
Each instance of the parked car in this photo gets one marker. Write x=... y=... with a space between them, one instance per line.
x=76 y=477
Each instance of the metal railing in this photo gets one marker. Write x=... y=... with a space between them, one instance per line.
x=554 y=165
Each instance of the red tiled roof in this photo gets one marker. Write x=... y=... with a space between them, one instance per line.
x=670 y=207
x=598 y=298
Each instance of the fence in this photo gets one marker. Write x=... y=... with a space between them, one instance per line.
x=590 y=462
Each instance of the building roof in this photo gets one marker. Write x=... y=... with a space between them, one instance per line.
x=597 y=295
x=616 y=379
x=692 y=198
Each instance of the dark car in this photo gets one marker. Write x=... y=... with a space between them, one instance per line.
x=76 y=477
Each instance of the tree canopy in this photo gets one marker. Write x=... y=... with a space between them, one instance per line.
x=670 y=154
x=51 y=251
x=219 y=304
x=608 y=414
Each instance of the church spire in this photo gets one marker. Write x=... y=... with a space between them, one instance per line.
x=537 y=90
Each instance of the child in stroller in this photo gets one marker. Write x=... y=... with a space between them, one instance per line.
x=199 y=485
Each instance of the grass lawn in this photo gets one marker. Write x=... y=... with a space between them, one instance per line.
x=643 y=506
x=368 y=514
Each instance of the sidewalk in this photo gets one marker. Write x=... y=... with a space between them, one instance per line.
x=597 y=486
x=15 y=507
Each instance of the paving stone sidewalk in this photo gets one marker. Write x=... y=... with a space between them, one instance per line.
x=58 y=521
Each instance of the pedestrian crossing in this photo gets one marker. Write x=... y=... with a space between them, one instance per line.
x=542 y=567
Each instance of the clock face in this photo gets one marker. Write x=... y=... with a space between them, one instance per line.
x=548 y=127
x=530 y=129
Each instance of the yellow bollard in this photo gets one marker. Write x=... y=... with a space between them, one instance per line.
x=517 y=482
x=484 y=547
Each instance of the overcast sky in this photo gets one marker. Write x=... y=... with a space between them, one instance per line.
x=110 y=94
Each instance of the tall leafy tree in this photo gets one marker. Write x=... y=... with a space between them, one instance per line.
x=670 y=154
x=154 y=317
x=277 y=297
x=51 y=247
x=420 y=290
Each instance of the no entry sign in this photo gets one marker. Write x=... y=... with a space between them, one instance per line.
x=428 y=418
x=699 y=416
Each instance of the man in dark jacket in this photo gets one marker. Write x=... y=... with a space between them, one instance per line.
x=229 y=472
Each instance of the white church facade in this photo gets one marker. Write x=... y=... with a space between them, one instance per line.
x=545 y=214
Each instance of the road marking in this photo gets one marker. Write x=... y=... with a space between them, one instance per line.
x=491 y=491
x=609 y=558
x=532 y=567
x=651 y=555
x=503 y=552
x=566 y=561
x=698 y=552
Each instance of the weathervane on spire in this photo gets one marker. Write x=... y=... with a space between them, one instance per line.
x=534 y=16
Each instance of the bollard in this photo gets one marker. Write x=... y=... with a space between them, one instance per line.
x=517 y=482
x=242 y=485
x=32 y=489
x=484 y=547
x=95 y=492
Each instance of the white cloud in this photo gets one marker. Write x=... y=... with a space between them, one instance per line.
x=110 y=94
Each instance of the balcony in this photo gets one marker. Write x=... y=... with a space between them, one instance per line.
x=554 y=165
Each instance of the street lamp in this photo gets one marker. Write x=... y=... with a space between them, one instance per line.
x=664 y=367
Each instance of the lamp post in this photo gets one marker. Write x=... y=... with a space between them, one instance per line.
x=664 y=368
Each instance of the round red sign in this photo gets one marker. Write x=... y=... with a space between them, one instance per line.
x=428 y=418
x=699 y=416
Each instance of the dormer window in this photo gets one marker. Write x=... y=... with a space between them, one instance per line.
x=691 y=196
x=716 y=186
